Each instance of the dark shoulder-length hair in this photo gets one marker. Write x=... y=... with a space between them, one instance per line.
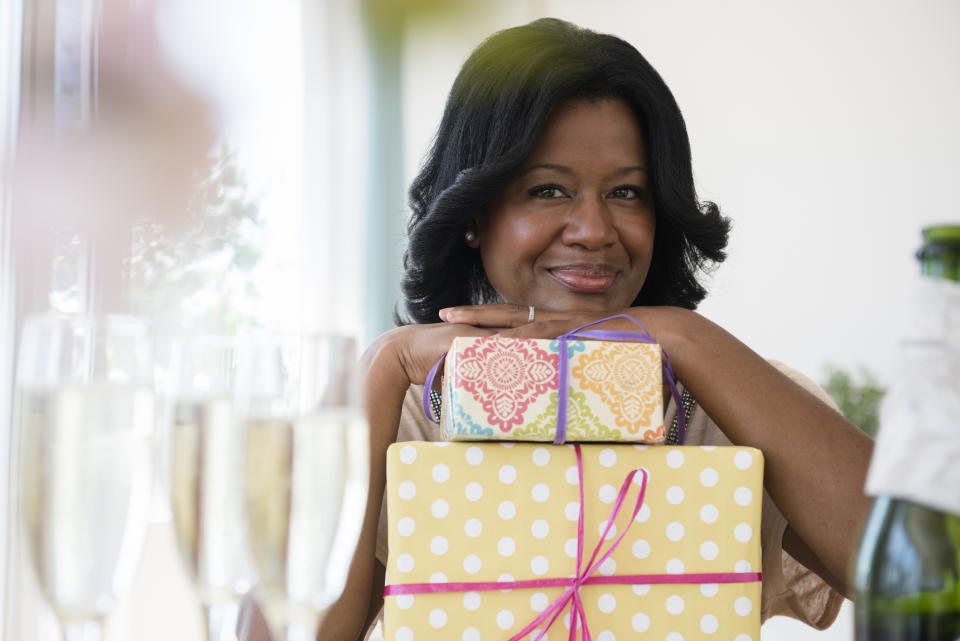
x=498 y=105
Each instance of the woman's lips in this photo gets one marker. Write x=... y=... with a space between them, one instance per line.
x=586 y=279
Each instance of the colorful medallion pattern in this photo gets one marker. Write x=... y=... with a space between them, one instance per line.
x=625 y=376
x=582 y=424
x=507 y=374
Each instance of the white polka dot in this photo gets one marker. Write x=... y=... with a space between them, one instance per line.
x=472 y=564
x=541 y=492
x=743 y=533
x=473 y=491
x=572 y=511
x=440 y=509
x=407 y=490
x=709 y=477
x=405 y=563
x=535 y=635
x=539 y=602
x=606 y=635
x=640 y=622
x=674 y=458
x=641 y=448
x=404 y=634
x=472 y=528
x=472 y=601
x=642 y=589
x=408 y=454
x=743 y=606
x=506 y=546
x=742 y=566
x=675 y=604
x=607 y=603
x=638 y=479
x=471 y=634
x=603 y=526
x=608 y=567
x=474 y=455
x=539 y=565
x=709 y=513
x=439 y=545
x=644 y=514
x=438 y=577
x=505 y=578
x=566 y=620
x=442 y=444
x=641 y=549
x=709 y=623
x=674 y=495
x=541 y=456
x=674 y=636
x=507 y=510
x=540 y=529
x=743 y=637
x=608 y=457
x=570 y=548
x=607 y=493
x=572 y=476
x=438 y=618
x=709 y=589
x=709 y=550
x=674 y=566
x=504 y=619
x=404 y=601
x=406 y=526
x=507 y=474
x=708 y=448
x=506 y=444
x=743 y=496
x=743 y=460
x=675 y=531
x=441 y=473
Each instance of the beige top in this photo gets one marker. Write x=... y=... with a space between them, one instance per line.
x=789 y=588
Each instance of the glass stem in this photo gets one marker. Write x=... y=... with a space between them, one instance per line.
x=221 y=620
x=83 y=631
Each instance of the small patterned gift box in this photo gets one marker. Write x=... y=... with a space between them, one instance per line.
x=484 y=542
x=499 y=388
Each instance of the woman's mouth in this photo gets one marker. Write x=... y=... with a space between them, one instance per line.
x=585 y=279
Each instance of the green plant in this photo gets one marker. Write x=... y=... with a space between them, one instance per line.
x=858 y=396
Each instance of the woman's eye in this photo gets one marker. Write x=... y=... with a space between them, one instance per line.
x=630 y=192
x=547 y=191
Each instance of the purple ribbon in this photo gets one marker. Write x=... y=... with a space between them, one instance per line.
x=563 y=373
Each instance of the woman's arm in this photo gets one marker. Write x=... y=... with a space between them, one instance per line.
x=394 y=361
x=816 y=460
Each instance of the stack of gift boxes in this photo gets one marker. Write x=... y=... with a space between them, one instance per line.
x=506 y=531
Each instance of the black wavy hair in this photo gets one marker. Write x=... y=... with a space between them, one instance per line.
x=498 y=105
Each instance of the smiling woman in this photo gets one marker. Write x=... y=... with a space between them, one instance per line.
x=560 y=178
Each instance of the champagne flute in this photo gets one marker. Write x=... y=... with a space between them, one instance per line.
x=206 y=478
x=85 y=407
x=306 y=472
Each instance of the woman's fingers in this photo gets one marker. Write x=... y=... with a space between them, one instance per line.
x=492 y=315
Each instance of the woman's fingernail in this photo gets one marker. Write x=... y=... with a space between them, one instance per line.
x=443 y=313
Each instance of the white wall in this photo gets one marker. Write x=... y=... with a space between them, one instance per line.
x=826 y=131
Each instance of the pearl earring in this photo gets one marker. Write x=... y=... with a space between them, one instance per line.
x=470 y=236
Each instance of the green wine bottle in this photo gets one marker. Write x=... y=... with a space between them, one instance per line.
x=907 y=571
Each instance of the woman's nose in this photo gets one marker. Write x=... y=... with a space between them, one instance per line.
x=589 y=224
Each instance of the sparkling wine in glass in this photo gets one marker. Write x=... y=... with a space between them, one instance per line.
x=206 y=478
x=306 y=472
x=85 y=407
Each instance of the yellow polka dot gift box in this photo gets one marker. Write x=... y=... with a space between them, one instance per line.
x=498 y=388
x=509 y=541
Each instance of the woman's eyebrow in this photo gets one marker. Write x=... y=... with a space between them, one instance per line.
x=567 y=170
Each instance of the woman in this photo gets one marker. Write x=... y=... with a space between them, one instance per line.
x=559 y=191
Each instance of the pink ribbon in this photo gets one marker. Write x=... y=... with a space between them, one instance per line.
x=584 y=573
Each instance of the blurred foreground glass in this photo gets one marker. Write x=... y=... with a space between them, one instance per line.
x=306 y=472
x=206 y=478
x=85 y=407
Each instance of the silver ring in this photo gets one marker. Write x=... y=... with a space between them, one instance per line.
x=531 y=314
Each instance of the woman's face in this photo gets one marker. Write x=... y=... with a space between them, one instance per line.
x=573 y=230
